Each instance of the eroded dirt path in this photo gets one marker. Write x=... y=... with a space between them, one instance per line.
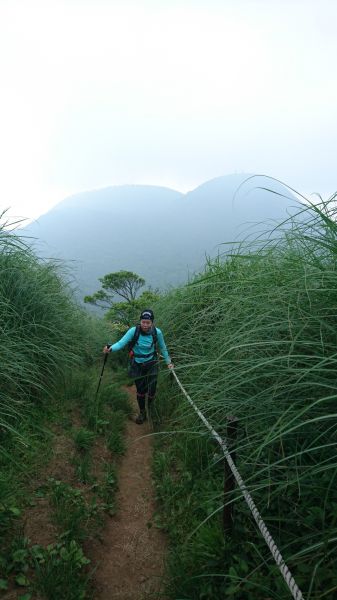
x=131 y=554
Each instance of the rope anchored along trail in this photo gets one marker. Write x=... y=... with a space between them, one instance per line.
x=287 y=576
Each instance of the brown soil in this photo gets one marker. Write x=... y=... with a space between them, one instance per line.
x=128 y=557
x=38 y=525
x=131 y=553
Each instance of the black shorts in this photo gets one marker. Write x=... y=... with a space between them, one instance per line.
x=138 y=370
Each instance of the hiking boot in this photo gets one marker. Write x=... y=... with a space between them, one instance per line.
x=141 y=417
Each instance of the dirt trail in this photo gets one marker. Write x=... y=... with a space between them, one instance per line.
x=131 y=554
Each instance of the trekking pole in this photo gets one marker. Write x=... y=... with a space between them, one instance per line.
x=101 y=375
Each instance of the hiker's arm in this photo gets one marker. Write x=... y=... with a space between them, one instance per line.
x=122 y=342
x=163 y=349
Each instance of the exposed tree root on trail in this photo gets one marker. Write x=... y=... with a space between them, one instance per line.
x=131 y=553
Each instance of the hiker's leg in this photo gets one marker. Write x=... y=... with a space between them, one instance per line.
x=141 y=401
x=141 y=392
x=152 y=382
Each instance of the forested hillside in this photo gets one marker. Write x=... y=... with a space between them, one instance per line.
x=159 y=233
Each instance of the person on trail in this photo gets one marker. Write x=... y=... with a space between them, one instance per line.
x=142 y=342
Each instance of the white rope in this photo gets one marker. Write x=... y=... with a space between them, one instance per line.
x=290 y=581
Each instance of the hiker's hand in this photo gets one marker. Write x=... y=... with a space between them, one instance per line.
x=106 y=349
x=170 y=366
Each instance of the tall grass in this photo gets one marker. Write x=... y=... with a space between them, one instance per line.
x=256 y=336
x=42 y=332
x=48 y=351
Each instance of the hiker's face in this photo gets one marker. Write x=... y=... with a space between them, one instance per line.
x=146 y=324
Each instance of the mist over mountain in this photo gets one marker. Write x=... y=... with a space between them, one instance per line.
x=159 y=233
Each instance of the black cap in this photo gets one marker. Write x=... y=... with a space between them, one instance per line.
x=147 y=314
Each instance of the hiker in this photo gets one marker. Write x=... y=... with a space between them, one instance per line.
x=142 y=341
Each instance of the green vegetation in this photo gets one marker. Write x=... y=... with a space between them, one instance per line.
x=108 y=487
x=50 y=422
x=83 y=466
x=123 y=283
x=84 y=438
x=73 y=515
x=59 y=571
x=254 y=336
x=126 y=285
x=126 y=314
x=117 y=398
x=115 y=440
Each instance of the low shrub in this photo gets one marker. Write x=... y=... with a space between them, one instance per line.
x=75 y=517
x=84 y=438
x=117 y=398
x=60 y=571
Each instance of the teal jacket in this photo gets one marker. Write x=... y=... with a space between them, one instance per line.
x=144 y=345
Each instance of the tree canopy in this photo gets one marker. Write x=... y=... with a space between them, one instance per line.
x=121 y=283
x=126 y=285
x=128 y=312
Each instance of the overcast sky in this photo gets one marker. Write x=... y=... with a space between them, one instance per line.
x=166 y=92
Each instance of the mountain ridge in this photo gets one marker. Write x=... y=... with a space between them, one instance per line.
x=160 y=233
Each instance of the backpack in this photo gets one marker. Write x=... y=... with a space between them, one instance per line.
x=134 y=341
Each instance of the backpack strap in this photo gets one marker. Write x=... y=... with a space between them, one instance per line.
x=134 y=340
x=155 y=342
x=155 y=338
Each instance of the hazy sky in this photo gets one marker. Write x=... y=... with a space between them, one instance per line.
x=166 y=92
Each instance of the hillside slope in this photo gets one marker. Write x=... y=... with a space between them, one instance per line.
x=157 y=232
